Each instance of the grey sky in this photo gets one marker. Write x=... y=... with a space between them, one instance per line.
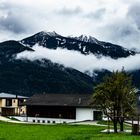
x=117 y=21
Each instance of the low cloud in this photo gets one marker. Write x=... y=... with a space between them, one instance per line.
x=78 y=61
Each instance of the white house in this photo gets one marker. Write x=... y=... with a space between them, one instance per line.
x=60 y=108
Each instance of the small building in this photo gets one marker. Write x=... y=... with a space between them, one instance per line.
x=11 y=104
x=61 y=108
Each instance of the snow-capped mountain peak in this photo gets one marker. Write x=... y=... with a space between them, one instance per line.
x=52 y=34
x=83 y=44
x=87 y=39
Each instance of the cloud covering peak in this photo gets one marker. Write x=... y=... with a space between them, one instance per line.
x=81 y=62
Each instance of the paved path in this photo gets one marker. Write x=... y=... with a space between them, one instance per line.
x=112 y=131
x=9 y=120
x=89 y=123
x=134 y=122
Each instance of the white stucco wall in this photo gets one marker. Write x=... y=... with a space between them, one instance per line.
x=47 y=120
x=84 y=114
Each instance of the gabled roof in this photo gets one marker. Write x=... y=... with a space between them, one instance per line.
x=60 y=100
x=12 y=96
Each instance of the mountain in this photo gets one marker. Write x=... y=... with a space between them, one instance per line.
x=25 y=77
x=83 y=44
x=11 y=48
x=89 y=39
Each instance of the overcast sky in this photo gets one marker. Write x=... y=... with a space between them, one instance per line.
x=116 y=21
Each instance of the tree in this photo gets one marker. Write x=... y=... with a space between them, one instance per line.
x=115 y=96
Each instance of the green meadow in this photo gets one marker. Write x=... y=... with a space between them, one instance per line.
x=11 y=131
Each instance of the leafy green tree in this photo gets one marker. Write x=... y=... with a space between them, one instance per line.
x=115 y=96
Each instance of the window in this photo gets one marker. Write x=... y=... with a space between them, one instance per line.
x=38 y=121
x=48 y=121
x=53 y=121
x=43 y=121
x=33 y=120
x=20 y=101
x=8 y=102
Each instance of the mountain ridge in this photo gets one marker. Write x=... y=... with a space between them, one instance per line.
x=74 y=43
x=25 y=77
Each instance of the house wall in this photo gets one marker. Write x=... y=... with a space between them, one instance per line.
x=84 y=114
x=14 y=102
x=0 y=102
x=65 y=112
x=3 y=103
x=0 y=105
x=44 y=120
x=22 y=110
x=18 y=110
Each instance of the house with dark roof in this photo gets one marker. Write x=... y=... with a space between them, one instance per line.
x=11 y=104
x=61 y=108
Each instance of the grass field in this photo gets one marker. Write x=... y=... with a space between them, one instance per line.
x=9 y=131
x=126 y=126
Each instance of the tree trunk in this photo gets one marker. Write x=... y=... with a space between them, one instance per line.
x=115 y=125
x=121 y=124
x=115 y=119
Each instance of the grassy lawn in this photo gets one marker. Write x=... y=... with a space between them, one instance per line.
x=126 y=125
x=9 y=131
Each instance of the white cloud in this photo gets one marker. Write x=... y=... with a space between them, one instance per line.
x=79 y=61
x=102 y=19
